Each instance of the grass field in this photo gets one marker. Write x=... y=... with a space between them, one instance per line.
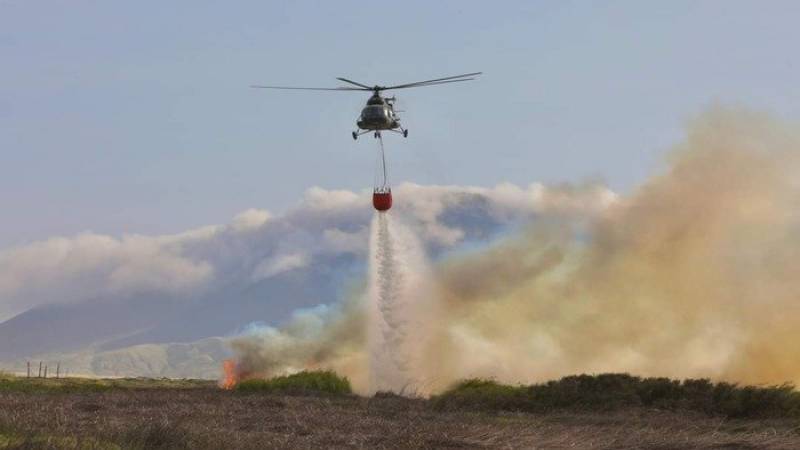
x=316 y=412
x=10 y=383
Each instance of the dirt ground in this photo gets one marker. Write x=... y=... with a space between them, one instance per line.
x=211 y=418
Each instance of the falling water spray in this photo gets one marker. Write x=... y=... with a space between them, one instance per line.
x=401 y=302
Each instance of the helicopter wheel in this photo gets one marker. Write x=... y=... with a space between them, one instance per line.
x=355 y=135
x=405 y=133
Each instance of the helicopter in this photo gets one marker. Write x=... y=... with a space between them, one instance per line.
x=379 y=113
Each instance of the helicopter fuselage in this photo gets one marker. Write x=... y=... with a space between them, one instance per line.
x=378 y=114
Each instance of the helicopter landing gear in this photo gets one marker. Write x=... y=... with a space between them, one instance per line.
x=400 y=130
x=356 y=134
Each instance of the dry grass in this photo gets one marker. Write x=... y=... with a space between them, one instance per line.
x=11 y=383
x=209 y=418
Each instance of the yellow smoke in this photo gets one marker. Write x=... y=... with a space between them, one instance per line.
x=695 y=274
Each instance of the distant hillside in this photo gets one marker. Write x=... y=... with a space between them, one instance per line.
x=112 y=325
x=201 y=359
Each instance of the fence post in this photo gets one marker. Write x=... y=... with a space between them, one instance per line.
x=40 y=369
x=58 y=369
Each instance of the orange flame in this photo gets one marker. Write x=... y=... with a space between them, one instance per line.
x=230 y=374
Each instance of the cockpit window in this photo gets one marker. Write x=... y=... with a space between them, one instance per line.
x=373 y=112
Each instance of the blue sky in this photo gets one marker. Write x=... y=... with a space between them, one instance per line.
x=136 y=117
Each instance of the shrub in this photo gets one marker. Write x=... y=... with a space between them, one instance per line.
x=301 y=383
x=606 y=391
x=615 y=391
x=751 y=401
x=483 y=394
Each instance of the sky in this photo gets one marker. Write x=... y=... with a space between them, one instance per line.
x=136 y=117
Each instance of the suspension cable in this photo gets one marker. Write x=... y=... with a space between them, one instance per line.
x=383 y=161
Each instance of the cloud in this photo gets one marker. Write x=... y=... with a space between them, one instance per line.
x=250 y=219
x=257 y=245
x=279 y=264
x=89 y=266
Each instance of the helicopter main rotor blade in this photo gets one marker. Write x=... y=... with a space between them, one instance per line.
x=474 y=74
x=354 y=82
x=309 y=88
x=436 y=83
x=364 y=87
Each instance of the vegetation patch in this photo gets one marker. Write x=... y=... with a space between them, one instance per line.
x=74 y=384
x=484 y=394
x=301 y=383
x=615 y=391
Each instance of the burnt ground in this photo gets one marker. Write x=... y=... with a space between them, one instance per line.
x=212 y=418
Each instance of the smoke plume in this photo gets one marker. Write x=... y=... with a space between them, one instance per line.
x=695 y=274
